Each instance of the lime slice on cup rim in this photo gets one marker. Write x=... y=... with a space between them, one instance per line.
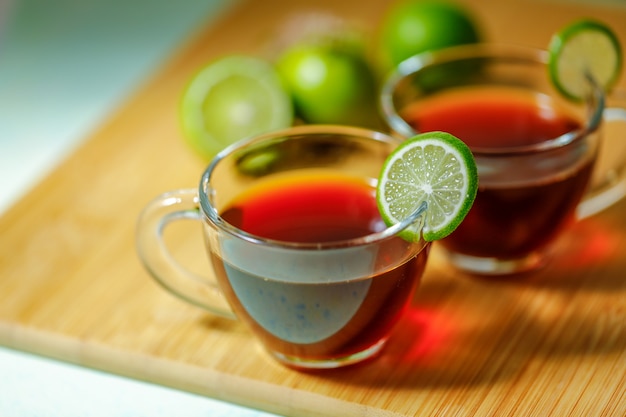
x=433 y=167
x=584 y=48
x=230 y=99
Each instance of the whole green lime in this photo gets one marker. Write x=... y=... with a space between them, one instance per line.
x=412 y=27
x=328 y=84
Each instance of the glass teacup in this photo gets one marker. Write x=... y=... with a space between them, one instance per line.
x=298 y=248
x=536 y=152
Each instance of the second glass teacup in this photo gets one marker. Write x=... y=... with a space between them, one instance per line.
x=535 y=151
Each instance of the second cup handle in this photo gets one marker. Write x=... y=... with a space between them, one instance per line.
x=178 y=280
x=613 y=187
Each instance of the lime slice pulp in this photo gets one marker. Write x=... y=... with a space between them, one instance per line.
x=230 y=99
x=581 y=49
x=434 y=167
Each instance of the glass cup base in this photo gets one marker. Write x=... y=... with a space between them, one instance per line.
x=494 y=266
x=330 y=363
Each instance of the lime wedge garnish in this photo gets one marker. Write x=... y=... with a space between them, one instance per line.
x=434 y=167
x=230 y=99
x=581 y=49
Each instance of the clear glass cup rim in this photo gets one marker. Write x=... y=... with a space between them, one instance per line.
x=212 y=214
x=496 y=51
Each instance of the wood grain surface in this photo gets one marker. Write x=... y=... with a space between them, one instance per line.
x=71 y=286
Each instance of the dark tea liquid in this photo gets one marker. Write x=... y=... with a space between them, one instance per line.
x=322 y=320
x=509 y=218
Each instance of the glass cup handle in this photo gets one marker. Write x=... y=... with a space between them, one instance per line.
x=612 y=186
x=178 y=280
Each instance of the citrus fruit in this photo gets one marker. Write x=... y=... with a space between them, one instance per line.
x=232 y=98
x=433 y=167
x=581 y=49
x=329 y=84
x=412 y=27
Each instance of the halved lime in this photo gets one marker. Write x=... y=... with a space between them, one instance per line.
x=435 y=167
x=581 y=49
x=230 y=99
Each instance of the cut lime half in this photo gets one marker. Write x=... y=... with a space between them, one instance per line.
x=434 y=167
x=230 y=99
x=581 y=49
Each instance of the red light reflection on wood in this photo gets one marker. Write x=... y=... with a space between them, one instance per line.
x=588 y=243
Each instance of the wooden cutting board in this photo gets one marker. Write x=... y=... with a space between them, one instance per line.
x=72 y=288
